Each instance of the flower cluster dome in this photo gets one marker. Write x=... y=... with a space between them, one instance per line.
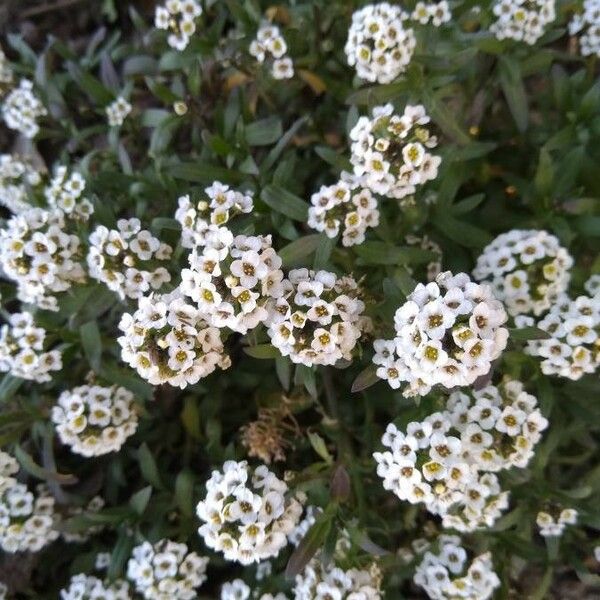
x=390 y=152
x=448 y=332
x=247 y=513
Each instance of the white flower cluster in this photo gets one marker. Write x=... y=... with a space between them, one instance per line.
x=445 y=461
x=527 y=269
x=126 y=259
x=522 y=20
x=117 y=111
x=346 y=204
x=239 y=590
x=587 y=22
x=270 y=42
x=64 y=191
x=22 y=109
x=27 y=520
x=6 y=73
x=39 y=253
x=320 y=582
x=16 y=177
x=22 y=350
x=390 y=152
x=379 y=46
x=231 y=284
x=318 y=319
x=247 y=513
x=573 y=348
x=202 y=222
x=166 y=570
x=436 y=12
x=446 y=574
x=168 y=341
x=448 y=332
x=95 y=420
x=499 y=427
x=551 y=526
x=179 y=18
x=88 y=587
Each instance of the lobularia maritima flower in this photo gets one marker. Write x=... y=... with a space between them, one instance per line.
x=231 y=284
x=573 y=346
x=437 y=13
x=65 y=192
x=27 y=520
x=238 y=589
x=21 y=109
x=17 y=177
x=554 y=523
x=22 y=350
x=346 y=205
x=202 y=222
x=167 y=340
x=448 y=332
x=320 y=580
x=527 y=269
x=587 y=24
x=117 y=111
x=95 y=420
x=318 y=318
x=88 y=587
x=445 y=461
x=128 y=259
x=522 y=21
x=248 y=513
x=41 y=254
x=166 y=569
x=390 y=152
x=445 y=573
x=178 y=17
x=379 y=45
x=270 y=45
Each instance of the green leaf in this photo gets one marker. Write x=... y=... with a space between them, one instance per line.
x=148 y=466
x=139 y=501
x=278 y=149
x=285 y=202
x=381 y=253
x=544 y=175
x=296 y=252
x=202 y=173
x=318 y=444
x=190 y=417
x=184 y=493
x=92 y=344
x=365 y=379
x=444 y=118
x=461 y=232
x=523 y=334
x=262 y=351
x=9 y=387
x=34 y=469
x=264 y=132
x=308 y=546
x=511 y=82
x=468 y=204
x=90 y=85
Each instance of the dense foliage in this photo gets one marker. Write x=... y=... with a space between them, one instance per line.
x=300 y=300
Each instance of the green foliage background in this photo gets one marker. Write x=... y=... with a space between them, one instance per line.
x=520 y=133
